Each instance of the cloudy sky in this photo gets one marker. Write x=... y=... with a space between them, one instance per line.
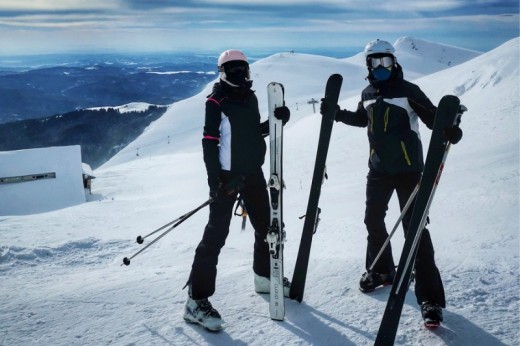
x=55 y=26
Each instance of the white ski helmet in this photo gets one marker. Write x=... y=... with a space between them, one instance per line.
x=379 y=47
x=230 y=55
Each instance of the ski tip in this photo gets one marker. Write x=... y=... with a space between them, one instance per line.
x=274 y=85
x=333 y=88
x=450 y=101
x=450 y=97
x=336 y=76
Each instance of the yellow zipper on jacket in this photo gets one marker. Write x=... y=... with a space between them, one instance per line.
x=407 y=158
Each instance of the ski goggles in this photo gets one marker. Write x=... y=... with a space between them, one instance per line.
x=236 y=69
x=385 y=61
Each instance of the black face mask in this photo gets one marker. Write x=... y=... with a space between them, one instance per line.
x=237 y=73
x=238 y=78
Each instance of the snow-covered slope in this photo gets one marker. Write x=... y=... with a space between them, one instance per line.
x=420 y=57
x=411 y=52
x=62 y=282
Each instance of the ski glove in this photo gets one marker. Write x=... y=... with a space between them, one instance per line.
x=453 y=134
x=228 y=185
x=282 y=113
x=324 y=109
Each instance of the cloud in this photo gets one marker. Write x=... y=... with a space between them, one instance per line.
x=254 y=13
x=214 y=24
x=55 y=5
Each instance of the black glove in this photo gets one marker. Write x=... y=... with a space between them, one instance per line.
x=228 y=185
x=282 y=113
x=324 y=108
x=453 y=134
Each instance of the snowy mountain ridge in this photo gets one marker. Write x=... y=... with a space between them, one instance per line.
x=303 y=76
x=413 y=52
x=63 y=283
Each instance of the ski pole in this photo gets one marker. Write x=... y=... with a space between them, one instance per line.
x=412 y=196
x=178 y=221
x=141 y=239
x=403 y=212
x=411 y=256
x=424 y=219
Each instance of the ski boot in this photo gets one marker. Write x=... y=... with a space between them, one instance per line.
x=200 y=311
x=431 y=314
x=263 y=285
x=371 y=280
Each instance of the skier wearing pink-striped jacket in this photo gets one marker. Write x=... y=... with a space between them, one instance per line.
x=234 y=151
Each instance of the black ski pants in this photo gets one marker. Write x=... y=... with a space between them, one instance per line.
x=256 y=200
x=379 y=190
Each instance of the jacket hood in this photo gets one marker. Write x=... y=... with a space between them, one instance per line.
x=222 y=87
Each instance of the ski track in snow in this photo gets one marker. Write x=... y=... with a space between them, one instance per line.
x=62 y=282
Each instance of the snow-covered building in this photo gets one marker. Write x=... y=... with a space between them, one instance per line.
x=40 y=180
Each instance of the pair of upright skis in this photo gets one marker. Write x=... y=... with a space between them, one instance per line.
x=276 y=233
x=448 y=114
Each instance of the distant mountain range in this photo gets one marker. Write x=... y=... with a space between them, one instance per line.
x=94 y=81
x=65 y=100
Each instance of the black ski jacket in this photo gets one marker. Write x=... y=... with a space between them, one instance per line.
x=391 y=110
x=233 y=134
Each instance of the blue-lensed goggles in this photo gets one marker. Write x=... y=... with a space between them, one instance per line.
x=385 y=61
